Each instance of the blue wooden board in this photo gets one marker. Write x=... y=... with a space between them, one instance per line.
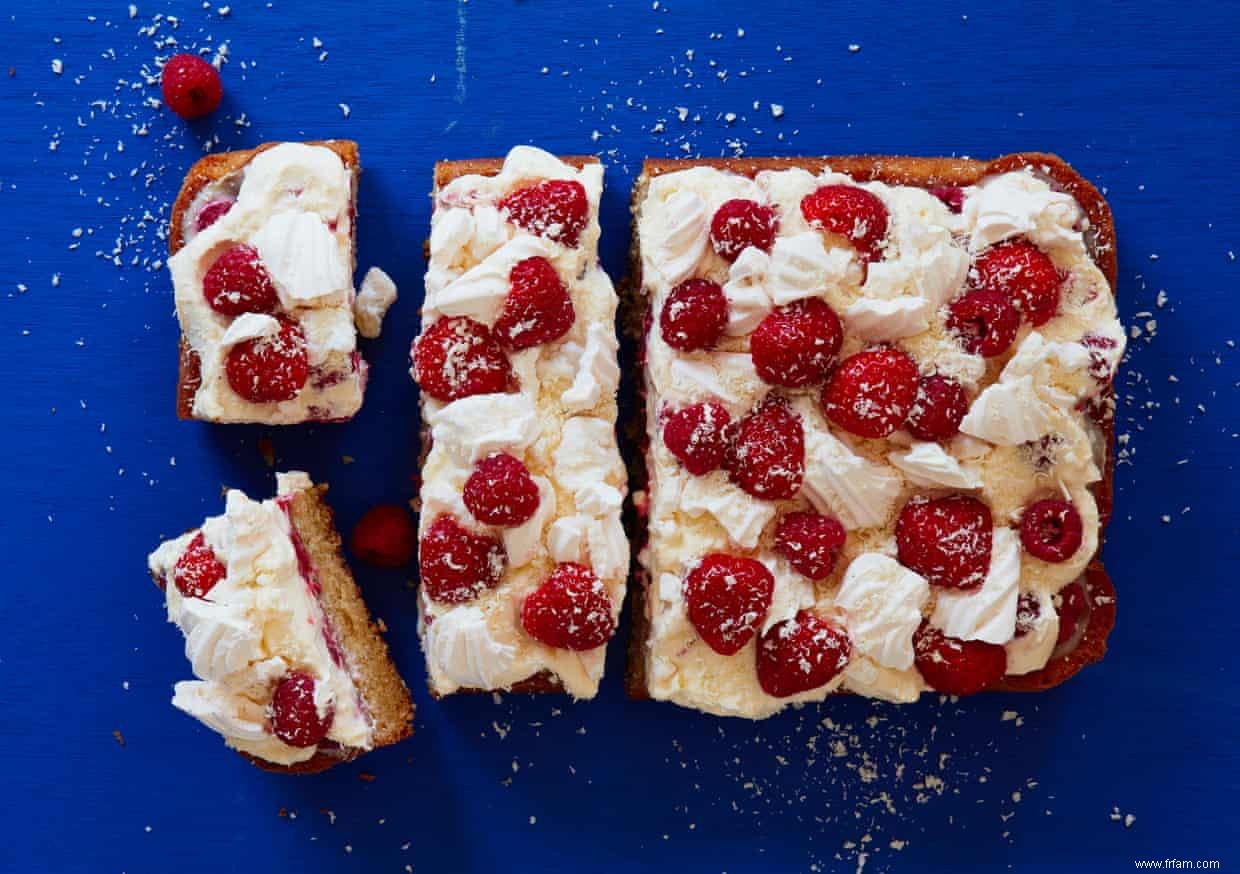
x=1140 y=96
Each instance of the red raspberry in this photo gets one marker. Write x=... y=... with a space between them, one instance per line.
x=871 y=393
x=239 y=283
x=197 y=570
x=767 y=454
x=727 y=597
x=850 y=212
x=1051 y=530
x=556 y=209
x=940 y=406
x=538 y=308
x=500 y=491
x=946 y=540
x=212 y=212
x=984 y=322
x=294 y=718
x=1028 y=610
x=191 y=86
x=739 y=224
x=697 y=436
x=1022 y=273
x=957 y=667
x=570 y=610
x=1071 y=605
x=458 y=565
x=810 y=542
x=694 y=315
x=951 y=196
x=795 y=345
x=384 y=537
x=800 y=654
x=458 y=357
x=269 y=369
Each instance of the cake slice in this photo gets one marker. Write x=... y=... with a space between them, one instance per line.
x=262 y=257
x=878 y=422
x=522 y=556
x=291 y=669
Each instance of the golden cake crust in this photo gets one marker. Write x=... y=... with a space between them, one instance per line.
x=921 y=172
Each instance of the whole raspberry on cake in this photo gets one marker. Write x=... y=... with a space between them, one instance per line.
x=290 y=668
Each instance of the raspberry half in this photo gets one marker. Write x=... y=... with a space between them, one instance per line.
x=239 y=283
x=538 y=308
x=1022 y=273
x=871 y=393
x=739 y=224
x=984 y=322
x=850 y=212
x=726 y=597
x=810 y=542
x=212 y=212
x=694 y=315
x=570 y=610
x=766 y=456
x=269 y=369
x=939 y=409
x=556 y=209
x=500 y=491
x=795 y=345
x=697 y=436
x=801 y=654
x=294 y=718
x=458 y=357
x=456 y=564
x=1071 y=605
x=1051 y=530
x=957 y=667
x=191 y=86
x=197 y=570
x=946 y=540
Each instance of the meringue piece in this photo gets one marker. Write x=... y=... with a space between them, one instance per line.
x=882 y=602
x=948 y=359
x=801 y=266
x=292 y=482
x=792 y=594
x=568 y=539
x=1060 y=370
x=376 y=295
x=473 y=427
x=882 y=320
x=598 y=374
x=304 y=260
x=1007 y=414
x=1020 y=204
x=523 y=542
x=741 y=515
x=748 y=300
x=531 y=162
x=480 y=292
x=682 y=237
x=463 y=653
x=599 y=499
x=1032 y=651
x=294 y=176
x=862 y=493
x=249 y=326
x=864 y=677
x=928 y=464
x=724 y=376
x=609 y=548
x=330 y=336
x=586 y=454
x=989 y=612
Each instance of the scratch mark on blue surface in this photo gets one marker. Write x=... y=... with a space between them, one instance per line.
x=461 y=66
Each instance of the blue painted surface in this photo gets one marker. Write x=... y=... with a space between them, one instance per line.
x=1140 y=97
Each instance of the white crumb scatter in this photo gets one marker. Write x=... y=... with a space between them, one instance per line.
x=1129 y=819
x=317 y=43
x=345 y=110
x=133 y=11
x=225 y=11
x=55 y=280
x=854 y=47
x=58 y=66
x=777 y=110
x=533 y=820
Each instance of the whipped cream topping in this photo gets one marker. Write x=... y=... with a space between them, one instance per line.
x=260 y=622
x=294 y=204
x=1023 y=437
x=560 y=422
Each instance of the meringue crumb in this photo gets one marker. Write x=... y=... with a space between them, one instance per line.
x=853 y=48
x=777 y=110
x=533 y=820
x=58 y=66
x=344 y=109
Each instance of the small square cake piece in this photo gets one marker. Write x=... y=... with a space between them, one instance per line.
x=291 y=669
x=522 y=555
x=879 y=412
x=262 y=259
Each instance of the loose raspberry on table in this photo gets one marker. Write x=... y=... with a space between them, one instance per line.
x=1024 y=274
x=795 y=345
x=384 y=536
x=766 y=456
x=570 y=610
x=739 y=224
x=871 y=393
x=556 y=209
x=726 y=597
x=456 y=564
x=939 y=409
x=801 y=654
x=197 y=570
x=957 y=667
x=698 y=436
x=538 y=309
x=984 y=322
x=694 y=315
x=294 y=717
x=191 y=86
x=810 y=542
x=237 y=282
x=947 y=540
x=457 y=357
x=1051 y=530
x=851 y=212
x=500 y=491
x=269 y=369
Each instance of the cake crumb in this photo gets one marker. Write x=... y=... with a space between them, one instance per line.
x=120 y=738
